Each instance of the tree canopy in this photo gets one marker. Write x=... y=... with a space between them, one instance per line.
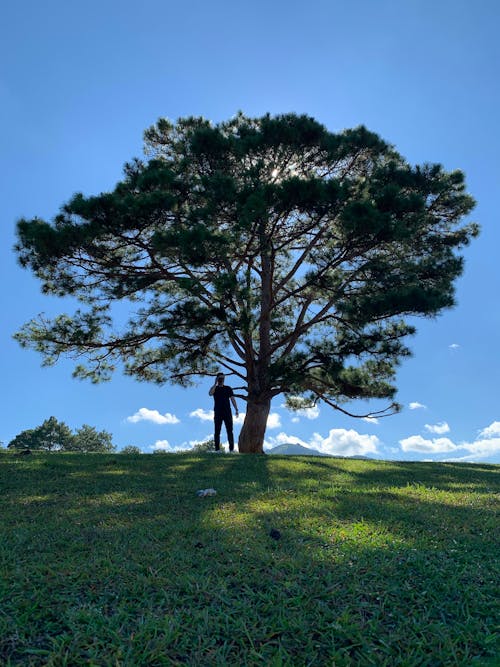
x=54 y=435
x=287 y=255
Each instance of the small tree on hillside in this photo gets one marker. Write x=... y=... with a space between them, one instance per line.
x=283 y=253
x=24 y=440
x=207 y=445
x=89 y=439
x=131 y=449
x=52 y=435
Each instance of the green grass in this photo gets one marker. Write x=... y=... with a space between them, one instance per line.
x=114 y=560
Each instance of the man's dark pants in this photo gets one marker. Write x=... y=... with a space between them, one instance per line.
x=227 y=418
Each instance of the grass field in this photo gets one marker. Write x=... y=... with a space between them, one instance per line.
x=114 y=560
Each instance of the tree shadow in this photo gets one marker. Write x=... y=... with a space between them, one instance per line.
x=389 y=474
x=359 y=572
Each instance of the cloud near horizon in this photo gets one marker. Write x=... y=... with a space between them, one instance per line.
x=339 y=442
x=416 y=443
x=488 y=444
x=490 y=431
x=165 y=446
x=144 y=414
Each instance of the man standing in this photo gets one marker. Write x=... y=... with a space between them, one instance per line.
x=222 y=410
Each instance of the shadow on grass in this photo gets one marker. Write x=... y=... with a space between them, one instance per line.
x=445 y=476
x=111 y=560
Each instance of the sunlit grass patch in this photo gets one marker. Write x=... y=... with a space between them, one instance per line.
x=373 y=563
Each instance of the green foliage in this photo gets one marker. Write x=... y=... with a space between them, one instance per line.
x=286 y=254
x=205 y=446
x=109 y=560
x=24 y=440
x=88 y=439
x=131 y=449
x=53 y=435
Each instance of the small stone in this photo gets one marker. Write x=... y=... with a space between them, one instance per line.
x=206 y=492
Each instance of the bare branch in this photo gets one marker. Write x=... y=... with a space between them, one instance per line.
x=392 y=409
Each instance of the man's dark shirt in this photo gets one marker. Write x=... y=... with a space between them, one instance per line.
x=221 y=400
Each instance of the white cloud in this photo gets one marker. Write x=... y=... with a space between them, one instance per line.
x=483 y=448
x=308 y=413
x=283 y=438
x=416 y=405
x=479 y=449
x=342 y=442
x=370 y=420
x=204 y=415
x=165 y=446
x=144 y=414
x=416 y=443
x=486 y=446
x=274 y=420
x=439 y=429
x=490 y=431
x=162 y=445
x=454 y=346
x=339 y=442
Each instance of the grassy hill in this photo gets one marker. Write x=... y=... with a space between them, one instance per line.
x=114 y=560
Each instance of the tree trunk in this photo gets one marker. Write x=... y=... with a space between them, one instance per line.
x=251 y=440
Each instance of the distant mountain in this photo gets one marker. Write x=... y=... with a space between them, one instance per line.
x=294 y=450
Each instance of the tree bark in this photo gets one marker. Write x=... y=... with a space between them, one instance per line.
x=251 y=440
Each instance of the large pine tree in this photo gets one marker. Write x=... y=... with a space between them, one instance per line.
x=285 y=254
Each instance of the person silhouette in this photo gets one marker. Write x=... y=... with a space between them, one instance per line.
x=222 y=410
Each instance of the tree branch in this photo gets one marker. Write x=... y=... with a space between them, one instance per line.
x=392 y=409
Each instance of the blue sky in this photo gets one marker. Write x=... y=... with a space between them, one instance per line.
x=79 y=83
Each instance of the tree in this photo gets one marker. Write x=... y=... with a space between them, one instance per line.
x=207 y=445
x=89 y=439
x=285 y=254
x=131 y=449
x=52 y=435
x=23 y=440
